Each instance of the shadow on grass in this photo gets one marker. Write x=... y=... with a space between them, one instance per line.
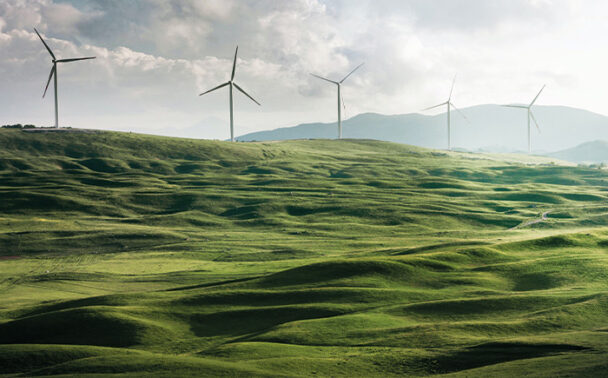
x=495 y=353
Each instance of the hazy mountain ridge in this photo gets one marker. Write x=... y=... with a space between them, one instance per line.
x=589 y=152
x=491 y=128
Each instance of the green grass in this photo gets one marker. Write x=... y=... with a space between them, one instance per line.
x=133 y=254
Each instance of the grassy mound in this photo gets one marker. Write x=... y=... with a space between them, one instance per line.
x=141 y=255
x=96 y=326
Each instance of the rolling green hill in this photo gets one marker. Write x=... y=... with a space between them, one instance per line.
x=131 y=254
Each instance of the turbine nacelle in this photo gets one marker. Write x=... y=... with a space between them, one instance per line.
x=53 y=73
x=232 y=83
x=341 y=81
x=340 y=99
x=449 y=104
x=530 y=115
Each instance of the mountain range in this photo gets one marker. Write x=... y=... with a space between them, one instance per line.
x=585 y=153
x=491 y=128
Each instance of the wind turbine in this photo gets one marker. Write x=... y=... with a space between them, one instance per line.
x=53 y=74
x=530 y=115
x=449 y=105
x=232 y=84
x=339 y=83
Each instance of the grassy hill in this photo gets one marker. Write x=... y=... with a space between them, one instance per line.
x=129 y=254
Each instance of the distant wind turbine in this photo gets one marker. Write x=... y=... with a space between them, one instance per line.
x=53 y=74
x=530 y=115
x=340 y=100
x=232 y=84
x=449 y=105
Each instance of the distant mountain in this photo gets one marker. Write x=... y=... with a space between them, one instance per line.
x=492 y=128
x=590 y=152
x=207 y=128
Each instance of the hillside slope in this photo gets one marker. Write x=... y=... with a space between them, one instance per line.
x=131 y=254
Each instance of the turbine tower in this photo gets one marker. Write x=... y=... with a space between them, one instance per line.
x=232 y=84
x=449 y=105
x=339 y=84
x=530 y=115
x=53 y=74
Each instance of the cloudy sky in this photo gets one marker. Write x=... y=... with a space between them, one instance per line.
x=155 y=56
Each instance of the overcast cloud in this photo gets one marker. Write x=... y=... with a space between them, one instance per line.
x=155 y=56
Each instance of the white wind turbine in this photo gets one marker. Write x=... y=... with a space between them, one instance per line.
x=232 y=84
x=449 y=105
x=530 y=115
x=339 y=83
x=53 y=74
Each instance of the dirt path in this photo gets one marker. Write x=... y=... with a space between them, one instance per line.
x=542 y=218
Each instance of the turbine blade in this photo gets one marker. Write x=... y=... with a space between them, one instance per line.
x=49 y=81
x=351 y=72
x=515 y=106
x=75 y=59
x=45 y=45
x=452 y=89
x=535 y=122
x=234 y=64
x=436 y=106
x=245 y=93
x=539 y=92
x=461 y=113
x=322 y=78
x=218 y=87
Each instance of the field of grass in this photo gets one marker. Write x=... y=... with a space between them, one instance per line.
x=131 y=254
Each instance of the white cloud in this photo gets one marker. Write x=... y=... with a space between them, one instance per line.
x=26 y=14
x=155 y=56
x=215 y=9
